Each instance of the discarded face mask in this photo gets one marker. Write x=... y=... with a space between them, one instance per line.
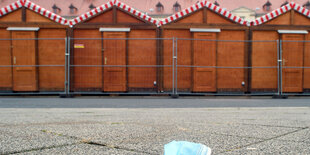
x=186 y=148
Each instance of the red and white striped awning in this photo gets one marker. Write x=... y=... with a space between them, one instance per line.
x=34 y=7
x=279 y=12
x=200 y=5
x=109 y=5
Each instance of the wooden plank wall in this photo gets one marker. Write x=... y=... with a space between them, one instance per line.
x=5 y=60
x=138 y=52
x=307 y=63
x=87 y=78
x=264 y=56
x=51 y=52
x=184 y=58
x=231 y=54
x=48 y=52
x=142 y=54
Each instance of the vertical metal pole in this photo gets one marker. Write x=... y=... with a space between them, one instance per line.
x=66 y=69
x=278 y=65
x=68 y=55
x=176 y=66
x=281 y=69
x=172 y=65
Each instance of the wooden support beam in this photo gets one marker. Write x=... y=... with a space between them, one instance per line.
x=158 y=60
x=248 y=60
x=114 y=15
x=292 y=12
x=23 y=14
x=204 y=15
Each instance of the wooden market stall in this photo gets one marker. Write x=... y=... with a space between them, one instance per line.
x=211 y=52
x=289 y=25
x=114 y=49
x=29 y=63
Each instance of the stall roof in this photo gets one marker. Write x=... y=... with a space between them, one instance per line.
x=34 y=7
x=209 y=5
x=280 y=11
x=109 y=5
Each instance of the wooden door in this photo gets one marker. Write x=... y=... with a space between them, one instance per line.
x=24 y=54
x=204 y=55
x=292 y=55
x=115 y=58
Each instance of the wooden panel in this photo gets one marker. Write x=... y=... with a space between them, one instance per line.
x=87 y=78
x=307 y=64
x=214 y=18
x=184 y=58
x=264 y=55
x=292 y=53
x=32 y=16
x=15 y=16
x=281 y=20
x=205 y=58
x=142 y=53
x=105 y=17
x=231 y=54
x=123 y=17
x=24 y=53
x=114 y=54
x=5 y=60
x=52 y=52
x=300 y=19
x=196 y=17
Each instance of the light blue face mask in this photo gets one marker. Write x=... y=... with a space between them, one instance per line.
x=186 y=148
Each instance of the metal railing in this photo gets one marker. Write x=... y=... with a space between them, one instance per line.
x=33 y=66
x=145 y=66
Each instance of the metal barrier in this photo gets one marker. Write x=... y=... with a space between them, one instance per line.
x=30 y=66
x=295 y=66
x=146 y=66
x=226 y=67
x=118 y=66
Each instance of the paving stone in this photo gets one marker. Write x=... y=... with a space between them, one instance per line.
x=274 y=147
x=82 y=149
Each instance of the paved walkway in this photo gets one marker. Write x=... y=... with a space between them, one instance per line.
x=151 y=102
x=229 y=130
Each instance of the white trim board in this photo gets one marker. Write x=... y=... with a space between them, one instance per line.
x=114 y=29
x=204 y=30
x=23 y=28
x=293 y=31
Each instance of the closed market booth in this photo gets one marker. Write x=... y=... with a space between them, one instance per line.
x=114 y=49
x=280 y=51
x=210 y=50
x=32 y=49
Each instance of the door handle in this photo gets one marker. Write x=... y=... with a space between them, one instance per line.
x=14 y=60
x=105 y=60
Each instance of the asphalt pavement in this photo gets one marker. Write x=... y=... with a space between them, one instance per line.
x=150 y=102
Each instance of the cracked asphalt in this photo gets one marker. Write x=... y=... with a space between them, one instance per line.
x=143 y=125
